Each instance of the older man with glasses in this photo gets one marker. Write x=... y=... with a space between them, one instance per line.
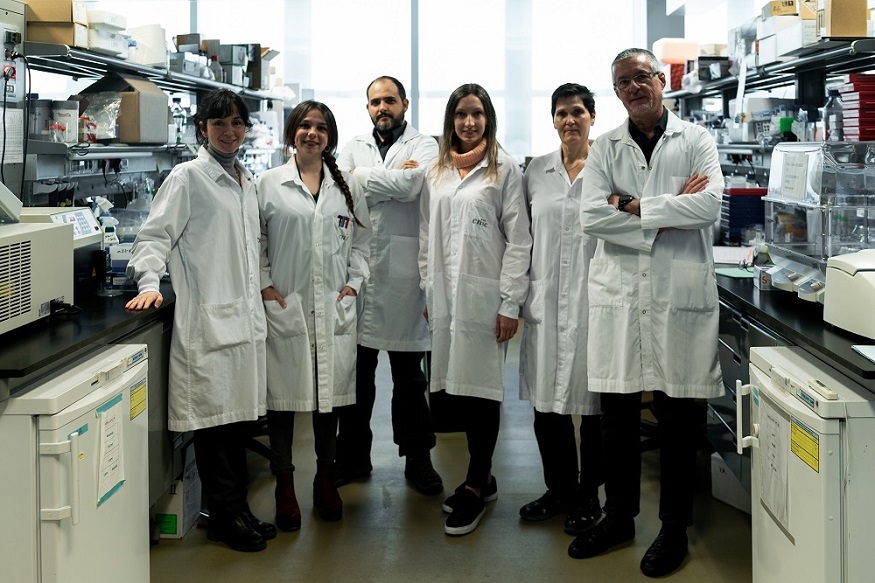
x=650 y=191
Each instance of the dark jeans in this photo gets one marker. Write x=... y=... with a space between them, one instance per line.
x=559 y=450
x=220 y=453
x=679 y=430
x=281 y=429
x=411 y=422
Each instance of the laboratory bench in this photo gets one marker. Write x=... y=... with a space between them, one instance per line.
x=39 y=348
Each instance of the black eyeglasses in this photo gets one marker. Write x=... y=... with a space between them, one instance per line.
x=639 y=79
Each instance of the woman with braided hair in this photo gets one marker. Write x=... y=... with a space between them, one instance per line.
x=314 y=259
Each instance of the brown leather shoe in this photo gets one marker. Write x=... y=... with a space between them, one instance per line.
x=288 y=513
x=325 y=495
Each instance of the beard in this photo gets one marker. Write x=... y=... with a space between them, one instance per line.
x=387 y=123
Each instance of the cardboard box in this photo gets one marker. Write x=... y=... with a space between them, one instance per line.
x=184 y=63
x=774 y=24
x=841 y=18
x=767 y=51
x=726 y=487
x=190 y=39
x=143 y=112
x=234 y=74
x=56 y=11
x=62 y=33
x=779 y=8
x=177 y=511
x=151 y=49
x=258 y=68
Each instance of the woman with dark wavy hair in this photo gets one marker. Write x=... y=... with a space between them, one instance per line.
x=315 y=249
x=474 y=248
x=203 y=229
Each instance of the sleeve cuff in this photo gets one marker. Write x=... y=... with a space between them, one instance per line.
x=149 y=281
x=509 y=309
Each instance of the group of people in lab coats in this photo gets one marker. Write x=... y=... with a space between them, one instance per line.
x=288 y=289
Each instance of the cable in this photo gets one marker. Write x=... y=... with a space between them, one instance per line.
x=28 y=86
x=64 y=309
x=3 y=156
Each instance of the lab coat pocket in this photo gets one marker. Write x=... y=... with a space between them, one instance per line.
x=693 y=286
x=477 y=300
x=344 y=315
x=403 y=257
x=479 y=219
x=221 y=326
x=534 y=308
x=605 y=286
x=288 y=322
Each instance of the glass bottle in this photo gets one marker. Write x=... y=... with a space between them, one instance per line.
x=177 y=112
x=832 y=117
x=217 y=70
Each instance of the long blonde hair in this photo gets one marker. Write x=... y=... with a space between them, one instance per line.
x=450 y=139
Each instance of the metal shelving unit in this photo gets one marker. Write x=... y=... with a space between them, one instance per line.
x=82 y=64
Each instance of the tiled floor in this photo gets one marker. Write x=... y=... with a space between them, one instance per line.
x=392 y=533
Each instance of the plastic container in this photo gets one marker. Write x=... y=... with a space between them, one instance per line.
x=65 y=117
x=40 y=119
x=832 y=117
x=216 y=68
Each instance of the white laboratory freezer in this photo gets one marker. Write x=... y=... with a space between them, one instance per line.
x=812 y=470
x=73 y=448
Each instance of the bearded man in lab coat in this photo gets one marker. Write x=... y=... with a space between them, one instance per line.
x=389 y=164
x=651 y=189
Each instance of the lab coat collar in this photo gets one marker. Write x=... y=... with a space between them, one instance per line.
x=621 y=133
x=409 y=133
x=215 y=171
x=289 y=173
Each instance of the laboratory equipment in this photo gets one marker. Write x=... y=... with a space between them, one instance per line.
x=86 y=230
x=36 y=268
x=75 y=480
x=851 y=280
x=832 y=116
x=10 y=205
x=812 y=441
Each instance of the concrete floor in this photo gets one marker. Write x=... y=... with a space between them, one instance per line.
x=390 y=532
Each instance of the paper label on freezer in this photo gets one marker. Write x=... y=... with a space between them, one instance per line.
x=773 y=463
x=138 y=398
x=805 y=443
x=794 y=174
x=111 y=469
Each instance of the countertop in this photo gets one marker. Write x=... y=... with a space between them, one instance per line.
x=800 y=322
x=53 y=340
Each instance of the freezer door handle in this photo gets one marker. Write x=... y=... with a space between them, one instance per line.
x=71 y=510
x=742 y=442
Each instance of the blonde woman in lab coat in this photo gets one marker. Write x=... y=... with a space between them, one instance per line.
x=315 y=251
x=474 y=252
x=203 y=229
x=556 y=312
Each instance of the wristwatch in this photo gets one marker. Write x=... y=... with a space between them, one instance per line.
x=624 y=200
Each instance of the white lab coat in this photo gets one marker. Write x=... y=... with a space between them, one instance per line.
x=203 y=229
x=556 y=312
x=310 y=251
x=391 y=303
x=474 y=253
x=653 y=296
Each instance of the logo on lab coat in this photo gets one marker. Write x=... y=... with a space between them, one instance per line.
x=479 y=222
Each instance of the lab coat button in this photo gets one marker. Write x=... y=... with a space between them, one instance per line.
x=643 y=311
x=643 y=275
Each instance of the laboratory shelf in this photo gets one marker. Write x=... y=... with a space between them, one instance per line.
x=83 y=64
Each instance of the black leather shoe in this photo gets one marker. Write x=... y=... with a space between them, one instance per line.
x=547 y=506
x=666 y=554
x=608 y=533
x=421 y=473
x=237 y=533
x=583 y=517
x=344 y=473
x=265 y=529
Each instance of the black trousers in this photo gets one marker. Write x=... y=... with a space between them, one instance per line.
x=481 y=419
x=559 y=450
x=220 y=453
x=281 y=430
x=411 y=423
x=680 y=428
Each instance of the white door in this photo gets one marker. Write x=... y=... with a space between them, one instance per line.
x=109 y=541
x=796 y=488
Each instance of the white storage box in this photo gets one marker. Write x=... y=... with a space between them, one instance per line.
x=177 y=511
x=151 y=47
x=726 y=487
x=107 y=43
x=106 y=20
